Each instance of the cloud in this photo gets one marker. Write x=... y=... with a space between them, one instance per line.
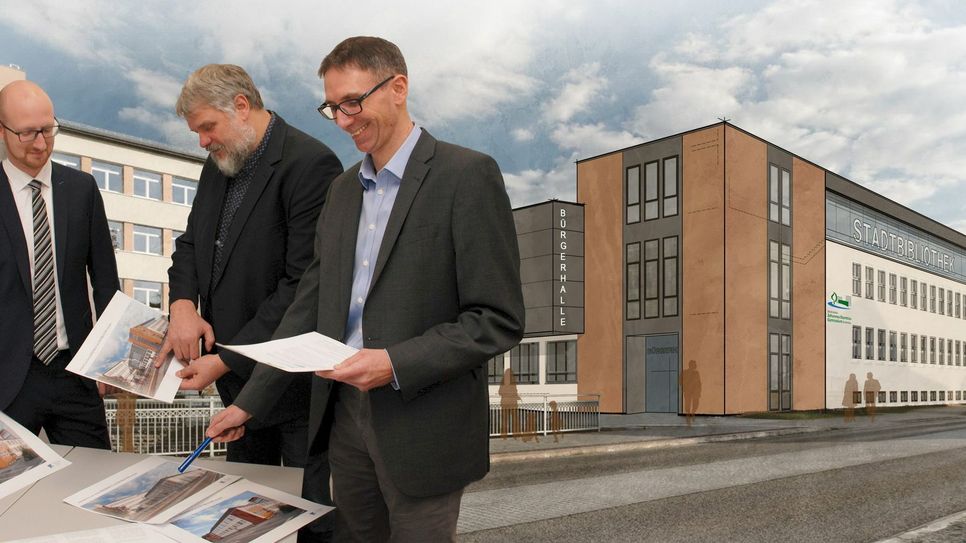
x=532 y=186
x=522 y=134
x=172 y=128
x=155 y=88
x=582 y=86
x=592 y=139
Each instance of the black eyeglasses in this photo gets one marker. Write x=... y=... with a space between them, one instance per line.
x=27 y=136
x=352 y=106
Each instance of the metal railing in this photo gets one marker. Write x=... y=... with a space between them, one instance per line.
x=159 y=428
x=544 y=414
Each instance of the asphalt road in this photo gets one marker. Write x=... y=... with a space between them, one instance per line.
x=863 y=484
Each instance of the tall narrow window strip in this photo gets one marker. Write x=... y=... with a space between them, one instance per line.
x=869 y=282
x=670 y=304
x=893 y=294
x=786 y=197
x=650 y=191
x=856 y=279
x=857 y=342
x=774 y=278
x=633 y=281
x=903 y=291
x=670 y=186
x=773 y=213
x=633 y=187
x=914 y=294
x=882 y=285
x=786 y=282
x=651 y=278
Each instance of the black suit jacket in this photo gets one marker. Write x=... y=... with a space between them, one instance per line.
x=269 y=245
x=82 y=246
x=445 y=297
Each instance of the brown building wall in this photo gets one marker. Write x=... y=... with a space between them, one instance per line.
x=746 y=272
x=601 y=369
x=808 y=286
x=702 y=262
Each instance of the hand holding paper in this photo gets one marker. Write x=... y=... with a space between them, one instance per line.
x=307 y=352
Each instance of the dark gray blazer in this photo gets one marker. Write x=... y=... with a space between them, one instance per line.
x=82 y=245
x=445 y=297
x=269 y=245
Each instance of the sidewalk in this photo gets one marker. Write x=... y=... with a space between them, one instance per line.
x=621 y=433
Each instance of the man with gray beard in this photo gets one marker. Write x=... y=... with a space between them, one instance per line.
x=248 y=239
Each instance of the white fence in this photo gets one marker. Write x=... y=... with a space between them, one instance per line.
x=544 y=414
x=161 y=428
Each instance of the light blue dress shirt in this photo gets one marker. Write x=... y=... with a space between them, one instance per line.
x=378 y=196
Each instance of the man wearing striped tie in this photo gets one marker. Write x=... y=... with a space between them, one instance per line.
x=53 y=234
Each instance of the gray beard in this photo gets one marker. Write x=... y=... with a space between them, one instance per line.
x=237 y=151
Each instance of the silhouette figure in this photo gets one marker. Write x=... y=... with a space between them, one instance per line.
x=554 y=421
x=872 y=389
x=848 y=397
x=690 y=382
x=509 y=399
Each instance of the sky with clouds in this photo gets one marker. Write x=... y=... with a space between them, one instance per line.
x=871 y=89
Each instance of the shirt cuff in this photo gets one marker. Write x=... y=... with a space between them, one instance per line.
x=395 y=380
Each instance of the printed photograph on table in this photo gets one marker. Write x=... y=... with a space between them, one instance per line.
x=122 y=348
x=151 y=491
x=245 y=512
x=24 y=458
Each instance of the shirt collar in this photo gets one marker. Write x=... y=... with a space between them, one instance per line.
x=396 y=165
x=19 y=179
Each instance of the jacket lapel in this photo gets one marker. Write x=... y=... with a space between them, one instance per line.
x=263 y=174
x=11 y=224
x=61 y=211
x=416 y=170
x=349 y=226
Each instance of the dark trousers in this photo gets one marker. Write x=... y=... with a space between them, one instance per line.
x=287 y=444
x=371 y=508
x=65 y=405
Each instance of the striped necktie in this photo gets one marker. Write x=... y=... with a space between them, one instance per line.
x=45 y=306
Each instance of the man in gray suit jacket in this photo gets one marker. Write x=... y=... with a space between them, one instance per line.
x=416 y=263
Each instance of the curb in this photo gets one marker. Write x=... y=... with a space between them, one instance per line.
x=926 y=529
x=544 y=454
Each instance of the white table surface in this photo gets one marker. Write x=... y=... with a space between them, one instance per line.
x=40 y=509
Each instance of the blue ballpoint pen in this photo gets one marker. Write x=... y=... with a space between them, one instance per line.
x=187 y=461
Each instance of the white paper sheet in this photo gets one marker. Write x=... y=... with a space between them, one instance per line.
x=121 y=350
x=242 y=513
x=150 y=491
x=24 y=458
x=123 y=533
x=307 y=352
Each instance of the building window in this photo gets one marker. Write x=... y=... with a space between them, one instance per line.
x=671 y=276
x=869 y=282
x=779 y=371
x=108 y=176
x=147 y=184
x=856 y=279
x=949 y=352
x=779 y=195
x=882 y=344
x=671 y=186
x=932 y=395
x=957 y=352
x=958 y=305
x=147 y=240
x=903 y=294
x=148 y=293
x=882 y=286
x=914 y=344
x=903 y=347
x=923 y=345
x=904 y=396
x=71 y=161
x=857 y=342
x=949 y=303
x=869 y=344
x=893 y=347
x=525 y=363
x=932 y=350
x=913 y=294
x=633 y=281
x=932 y=298
x=633 y=182
x=183 y=191
x=650 y=278
x=562 y=362
x=117 y=234
x=892 y=289
x=942 y=301
x=942 y=395
x=650 y=191
x=494 y=370
x=779 y=280
x=923 y=303
x=914 y=395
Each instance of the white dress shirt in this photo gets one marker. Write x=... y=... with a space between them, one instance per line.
x=23 y=197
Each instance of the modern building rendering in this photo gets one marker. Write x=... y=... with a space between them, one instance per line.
x=790 y=287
